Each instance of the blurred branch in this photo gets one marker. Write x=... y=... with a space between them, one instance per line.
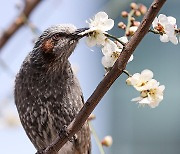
x=108 y=80
x=34 y=29
x=19 y=21
x=6 y=68
x=98 y=142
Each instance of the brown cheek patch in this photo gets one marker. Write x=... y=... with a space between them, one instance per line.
x=48 y=45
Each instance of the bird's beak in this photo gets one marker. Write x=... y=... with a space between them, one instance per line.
x=78 y=34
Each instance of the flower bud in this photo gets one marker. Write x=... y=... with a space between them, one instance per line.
x=136 y=23
x=137 y=13
x=107 y=141
x=121 y=25
x=124 y=14
x=133 y=6
x=142 y=9
x=127 y=33
x=128 y=81
x=132 y=19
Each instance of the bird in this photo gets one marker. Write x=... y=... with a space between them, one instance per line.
x=47 y=93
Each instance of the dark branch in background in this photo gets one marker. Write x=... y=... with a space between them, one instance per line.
x=108 y=80
x=19 y=21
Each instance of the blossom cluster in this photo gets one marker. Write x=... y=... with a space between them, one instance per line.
x=151 y=93
x=132 y=25
x=166 y=27
x=98 y=27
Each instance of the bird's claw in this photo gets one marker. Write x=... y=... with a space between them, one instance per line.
x=64 y=132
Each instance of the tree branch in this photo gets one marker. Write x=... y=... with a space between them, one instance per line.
x=19 y=21
x=108 y=80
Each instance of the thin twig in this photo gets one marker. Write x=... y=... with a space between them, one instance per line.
x=177 y=31
x=127 y=73
x=130 y=14
x=154 y=31
x=6 y=68
x=115 y=38
x=96 y=138
x=35 y=30
x=109 y=79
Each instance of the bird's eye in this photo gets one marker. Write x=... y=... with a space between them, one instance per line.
x=56 y=36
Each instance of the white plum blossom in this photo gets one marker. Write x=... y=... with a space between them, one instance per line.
x=97 y=35
x=139 y=80
x=111 y=51
x=110 y=47
x=166 y=26
x=124 y=39
x=96 y=38
x=108 y=61
x=101 y=22
x=98 y=26
x=152 y=96
x=151 y=93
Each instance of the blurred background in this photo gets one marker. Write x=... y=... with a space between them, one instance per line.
x=135 y=130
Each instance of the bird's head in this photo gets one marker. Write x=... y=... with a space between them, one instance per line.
x=56 y=43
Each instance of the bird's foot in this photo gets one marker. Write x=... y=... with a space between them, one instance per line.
x=75 y=139
x=64 y=132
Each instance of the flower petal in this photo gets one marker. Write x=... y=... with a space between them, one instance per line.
x=164 y=38
x=133 y=29
x=107 y=61
x=152 y=84
x=162 y=87
x=107 y=25
x=155 y=22
x=162 y=19
x=154 y=104
x=90 y=41
x=144 y=101
x=169 y=29
x=135 y=79
x=123 y=39
x=131 y=58
x=101 y=16
x=146 y=75
x=109 y=47
x=171 y=20
x=173 y=39
x=137 y=99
